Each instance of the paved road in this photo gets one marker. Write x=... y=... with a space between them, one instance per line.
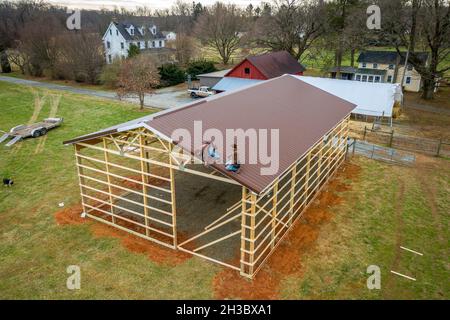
x=163 y=98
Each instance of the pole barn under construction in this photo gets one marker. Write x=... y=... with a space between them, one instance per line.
x=131 y=177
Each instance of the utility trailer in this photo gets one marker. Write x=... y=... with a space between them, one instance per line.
x=33 y=130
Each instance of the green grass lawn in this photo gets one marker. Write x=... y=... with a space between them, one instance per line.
x=386 y=205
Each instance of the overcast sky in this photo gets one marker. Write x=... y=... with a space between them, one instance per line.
x=131 y=4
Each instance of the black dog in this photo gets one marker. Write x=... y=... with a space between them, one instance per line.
x=8 y=182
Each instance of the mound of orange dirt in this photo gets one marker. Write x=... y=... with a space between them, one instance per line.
x=287 y=258
x=70 y=215
x=154 y=251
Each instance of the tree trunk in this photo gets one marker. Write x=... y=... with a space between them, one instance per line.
x=339 y=62
x=141 y=101
x=428 y=89
x=352 y=58
x=5 y=66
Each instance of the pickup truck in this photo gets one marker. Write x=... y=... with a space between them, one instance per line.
x=201 y=92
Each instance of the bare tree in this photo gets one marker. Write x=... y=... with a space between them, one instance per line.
x=185 y=48
x=424 y=25
x=38 y=43
x=290 y=25
x=344 y=29
x=81 y=55
x=137 y=77
x=219 y=27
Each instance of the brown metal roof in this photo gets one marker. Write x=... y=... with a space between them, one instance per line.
x=276 y=64
x=302 y=113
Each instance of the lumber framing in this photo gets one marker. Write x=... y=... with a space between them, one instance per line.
x=268 y=217
x=137 y=168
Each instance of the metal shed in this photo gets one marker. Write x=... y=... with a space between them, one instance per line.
x=211 y=79
x=313 y=130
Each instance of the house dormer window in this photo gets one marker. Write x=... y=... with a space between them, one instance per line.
x=364 y=65
x=153 y=30
x=375 y=65
x=410 y=67
x=391 y=67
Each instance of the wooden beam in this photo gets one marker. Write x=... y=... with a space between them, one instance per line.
x=173 y=197
x=274 y=213
x=80 y=173
x=291 y=200
x=252 y=230
x=243 y=230
x=143 y=177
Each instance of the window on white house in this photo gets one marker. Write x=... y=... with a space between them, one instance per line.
x=408 y=80
x=377 y=79
x=391 y=67
x=358 y=77
x=109 y=58
x=110 y=31
x=153 y=44
x=364 y=78
x=108 y=44
x=160 y=43
x=370 y=78
x=132 y=31
x=364 y=65
x=122 y=46
x=138 y=44
x=117 y=32
x=375 y=65
x=389 y=79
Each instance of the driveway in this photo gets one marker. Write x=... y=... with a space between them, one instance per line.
x=163 y=98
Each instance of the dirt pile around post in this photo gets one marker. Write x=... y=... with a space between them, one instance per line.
x=69 y=216
x=287 y=258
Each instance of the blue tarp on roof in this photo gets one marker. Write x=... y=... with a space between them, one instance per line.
x=230 y=83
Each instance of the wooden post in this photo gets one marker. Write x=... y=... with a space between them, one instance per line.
x=319 y=163
x=108 y=177
x=173 y=198
x=391 y=138
x=439 y=148
x=274 y=213
x=243 y=231
x=144 y=187
x=365 y=132
x=291 y=204
x=252 y=232
x=81 y=180
x=308 y=167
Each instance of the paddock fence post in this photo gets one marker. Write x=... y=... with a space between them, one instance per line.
x=439 y=148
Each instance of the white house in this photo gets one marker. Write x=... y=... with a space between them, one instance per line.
x=170 y=35
x=121 y=35
x=384 y=67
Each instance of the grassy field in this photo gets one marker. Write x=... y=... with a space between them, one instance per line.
x=382 y=207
